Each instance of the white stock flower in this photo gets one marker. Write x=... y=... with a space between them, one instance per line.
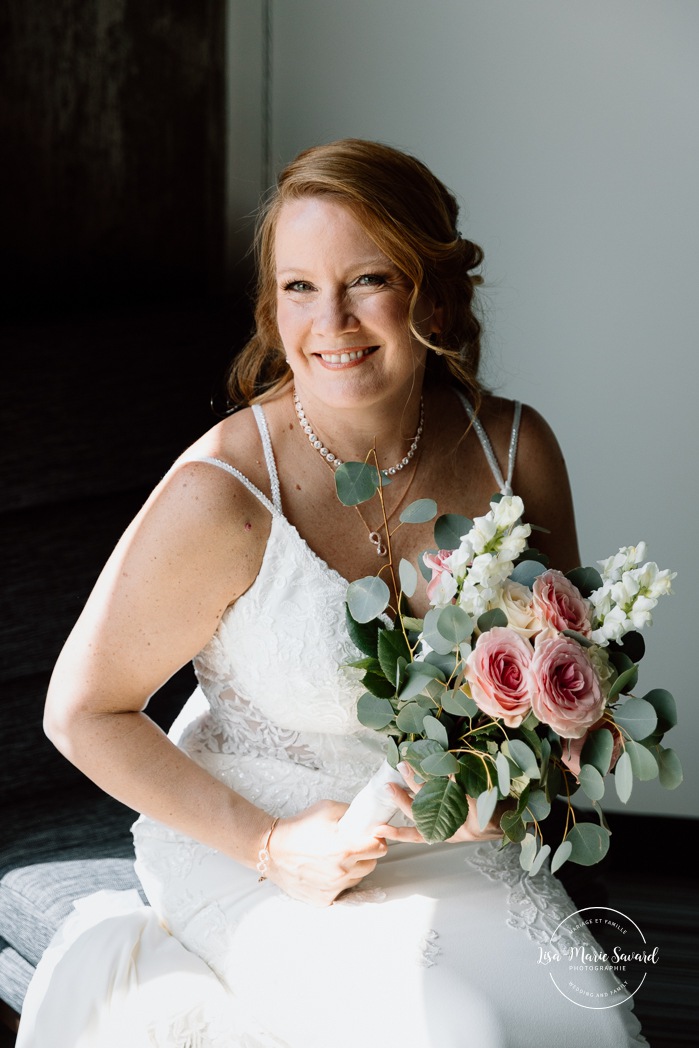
x=630 y=592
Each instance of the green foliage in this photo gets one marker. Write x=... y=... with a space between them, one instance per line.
x=439 y=809
x=356 y=482
x=367 y=598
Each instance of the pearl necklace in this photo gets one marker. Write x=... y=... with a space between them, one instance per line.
x=335 y=461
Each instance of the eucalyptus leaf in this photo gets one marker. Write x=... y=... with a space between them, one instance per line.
x=488 y=619
x=633 y=645
x=526 y=571
x=416 y=678
x=637 y=717
x=392 y=754
x=502 y=767
x=523 y=757
x=356 y=482
x=445 y=663
x=538 y=805
x=583 y=641
x=367 y=598
x=419 y=512
x=374 y=712
x=598 y=750
x=539 y=859
x=623 y=777
x=454 y=624
x=439 y=764
x=512 y=826
x=527 y=852
x=431 y=634
x=434 y=729
x=664 y=705
x=439 y=809
x=410 y=719
x=671 y=774
x=561 y=855
x=485 y=806
x=590 y=843
x=587 y=580
x=624 y=682
x=459 y=704
x=408 y=577
x=449 y=529
x=643 y=763
x=592 y=782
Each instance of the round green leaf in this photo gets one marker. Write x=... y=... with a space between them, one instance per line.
x=356 y=482
x=449 y=528
x=561 y=855
x=598 y=750
x=623 y=777
x=459 y=704
x=367 y=598
x=416 y=678
x=419 y=512
x=643 y=763
x=624 y=682
x=524 y=758
x=591 y=782
x=488 y=619
x=637 y=717
x=439 y=809
x=526 y=571
x=485 y=806
x=664 y=705
x=408 y=577
x=392 y=754
x=527 y=852
x=671 y=774
x=434 y=729
x=589 y=843
x=454 y=624
x=587 y=580
x=443 y=763
x=432 y=635
x=373 y=712
x=410 y=719
x=538 y=806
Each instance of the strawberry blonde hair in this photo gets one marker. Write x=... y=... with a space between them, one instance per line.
x=412 y=218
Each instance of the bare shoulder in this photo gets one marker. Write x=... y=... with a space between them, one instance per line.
x=540 y=476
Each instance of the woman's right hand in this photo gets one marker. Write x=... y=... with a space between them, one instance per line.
x=313 y=861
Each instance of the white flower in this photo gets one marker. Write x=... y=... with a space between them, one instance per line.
x=629 y=593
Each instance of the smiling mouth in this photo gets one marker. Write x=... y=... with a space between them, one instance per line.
x=347 y=356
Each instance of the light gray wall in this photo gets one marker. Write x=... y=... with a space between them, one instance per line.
x=569 y=132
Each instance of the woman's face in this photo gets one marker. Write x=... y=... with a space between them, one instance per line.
x=342 y=308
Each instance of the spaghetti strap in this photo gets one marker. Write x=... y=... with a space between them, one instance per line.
x=274 y=506
x=505 y=486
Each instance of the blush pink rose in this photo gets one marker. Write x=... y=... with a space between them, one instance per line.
x=566 y=692
x=442 y=586
x=497 y=671
x=572 y=749
x=559 y=604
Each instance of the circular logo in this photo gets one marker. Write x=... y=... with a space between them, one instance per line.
x=598 y=957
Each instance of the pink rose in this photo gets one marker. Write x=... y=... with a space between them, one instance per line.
x=559 y=604
x=566 y=692
x=572 y=749
x=442 y=586
x=498 y=671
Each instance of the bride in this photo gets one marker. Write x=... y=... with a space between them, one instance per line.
x=267 y=924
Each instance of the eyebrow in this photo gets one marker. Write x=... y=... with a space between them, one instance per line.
x=375 y=262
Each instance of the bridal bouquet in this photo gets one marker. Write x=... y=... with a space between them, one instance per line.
x=518 y=685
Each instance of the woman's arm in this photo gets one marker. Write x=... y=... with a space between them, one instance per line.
x=194 y=548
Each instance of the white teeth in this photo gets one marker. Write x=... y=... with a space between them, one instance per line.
x=344 y=358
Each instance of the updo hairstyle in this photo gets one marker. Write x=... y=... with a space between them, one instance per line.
x=412 y=218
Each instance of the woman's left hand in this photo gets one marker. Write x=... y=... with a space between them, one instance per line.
x=470 y=831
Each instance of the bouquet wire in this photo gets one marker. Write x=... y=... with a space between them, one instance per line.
x=516 y=689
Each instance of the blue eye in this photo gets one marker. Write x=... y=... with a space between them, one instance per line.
x=297 y=285
x=371 y=280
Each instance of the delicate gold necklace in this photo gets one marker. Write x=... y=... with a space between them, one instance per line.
x=333 y=462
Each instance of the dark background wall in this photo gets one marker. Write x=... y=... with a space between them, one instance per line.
x=118 y=319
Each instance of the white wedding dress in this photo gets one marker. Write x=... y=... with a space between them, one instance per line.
x=439 y=948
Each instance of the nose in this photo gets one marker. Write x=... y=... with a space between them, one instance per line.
x=334 y=315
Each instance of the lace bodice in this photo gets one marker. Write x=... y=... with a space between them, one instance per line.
x=280 y=722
